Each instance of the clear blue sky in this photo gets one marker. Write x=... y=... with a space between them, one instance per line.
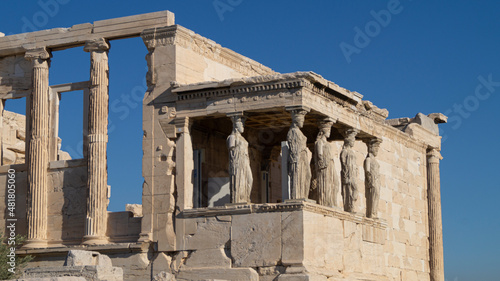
x=428 y=57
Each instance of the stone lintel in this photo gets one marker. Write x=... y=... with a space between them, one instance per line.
x=77 y=35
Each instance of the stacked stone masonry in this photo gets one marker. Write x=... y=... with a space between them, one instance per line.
x=249 y=174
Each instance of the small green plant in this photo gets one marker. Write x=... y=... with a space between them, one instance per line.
x=12 y=265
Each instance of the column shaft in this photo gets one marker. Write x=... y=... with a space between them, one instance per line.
x=38 y=150
x=97 y=182
x=184 y=165
x=435 y=221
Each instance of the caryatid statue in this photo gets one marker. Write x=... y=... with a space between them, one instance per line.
x=325 y=167
x=299 y=157
x=372 y=178
x=349 y=171
x=240 y=173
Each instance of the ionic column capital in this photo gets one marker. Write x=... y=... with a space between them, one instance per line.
x=37 y=53
x=39 y=57
x=96 y=45
x=433 y=156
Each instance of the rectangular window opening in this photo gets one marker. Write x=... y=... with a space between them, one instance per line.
x=127 y=86
x=67 y=129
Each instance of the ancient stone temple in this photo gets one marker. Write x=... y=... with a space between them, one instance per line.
x=249 y=174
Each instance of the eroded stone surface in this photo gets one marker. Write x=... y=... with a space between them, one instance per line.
x=256 y=240
x=83 y=264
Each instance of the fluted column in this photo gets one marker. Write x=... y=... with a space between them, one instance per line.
x=97 y=182
x=38 y=157
x=435 y=222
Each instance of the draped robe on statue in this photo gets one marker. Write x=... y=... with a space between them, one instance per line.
x=325 y=173
x=240 y=172
x=299 y=161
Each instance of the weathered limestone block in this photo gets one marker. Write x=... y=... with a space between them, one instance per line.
x=66 y=278
x=164 y=276
x=207 y=258
x=240 y=274
x=15 y=74
x=135 y=266
x=256 y=239
x=90 y=265
x=136 y=209
x=161 y=264
x=210 y=233
x=373 y=260
x=373 y=234
x=292 y=240
x=269 y=273
x=301 y=277
x=352 y=247
x=80 y=258
x=323 y=242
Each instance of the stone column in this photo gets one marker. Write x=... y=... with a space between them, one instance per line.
x=184 y=164
x=435 y=222
x=97 y=181
x=38 y=157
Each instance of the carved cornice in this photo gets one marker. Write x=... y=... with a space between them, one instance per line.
x=282 y=207
x=237 y=90
x=309 y=81
x=183 y=37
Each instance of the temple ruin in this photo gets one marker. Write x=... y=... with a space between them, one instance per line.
x=249 y=174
